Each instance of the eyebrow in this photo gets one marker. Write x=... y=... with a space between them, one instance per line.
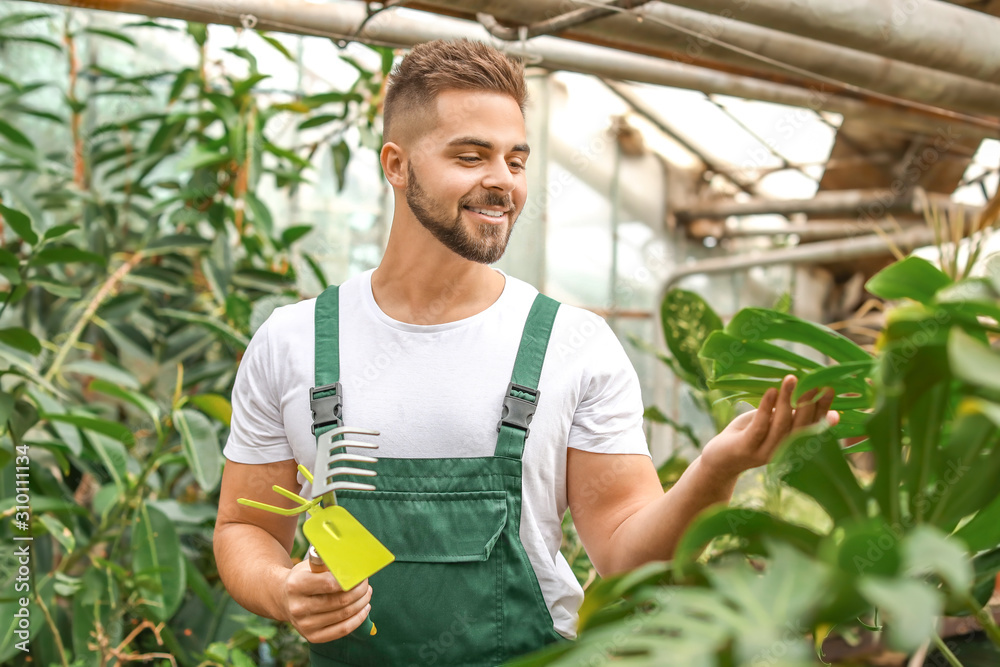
x=482 y=143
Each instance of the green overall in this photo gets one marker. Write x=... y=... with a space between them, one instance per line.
x=462 y=591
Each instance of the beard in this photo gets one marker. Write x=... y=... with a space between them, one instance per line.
x=485 y=243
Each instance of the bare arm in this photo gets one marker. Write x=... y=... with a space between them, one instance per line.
x=252 y=552
x=620 y=510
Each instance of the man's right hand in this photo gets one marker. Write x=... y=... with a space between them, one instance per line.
x=319 y=608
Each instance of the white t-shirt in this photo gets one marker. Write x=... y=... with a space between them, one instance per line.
x=436 y=391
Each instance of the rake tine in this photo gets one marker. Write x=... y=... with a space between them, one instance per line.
x=332 y=472
x=350 y=443
x=357 y=458
x=348 y=486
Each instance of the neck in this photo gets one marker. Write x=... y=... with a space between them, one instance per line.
x=419 y=281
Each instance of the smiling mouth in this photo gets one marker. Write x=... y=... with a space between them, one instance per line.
x=489 y=213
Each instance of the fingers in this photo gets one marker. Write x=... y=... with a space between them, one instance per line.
x=339 y=630
x=319 y=608
x=781 y=418
x=805 y=411
x=326 y=626
x=756 y=432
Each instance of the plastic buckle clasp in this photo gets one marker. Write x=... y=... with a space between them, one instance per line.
x=327 y=410
x=517 y=412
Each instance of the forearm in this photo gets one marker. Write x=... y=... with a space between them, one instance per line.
x=253 y=566
x=653 y=532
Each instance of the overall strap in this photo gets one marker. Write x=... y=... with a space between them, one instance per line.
x=326 y=398
x=522 y=393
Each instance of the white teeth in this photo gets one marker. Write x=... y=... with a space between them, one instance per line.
x=492 y=214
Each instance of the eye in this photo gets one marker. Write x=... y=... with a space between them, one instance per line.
x=517 y=165
x=471 y=159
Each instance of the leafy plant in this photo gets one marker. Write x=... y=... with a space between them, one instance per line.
x=918 y=540
x=137 y=261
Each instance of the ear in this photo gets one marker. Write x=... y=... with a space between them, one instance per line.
x=393 y=160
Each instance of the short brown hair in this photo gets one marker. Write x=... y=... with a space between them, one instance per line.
x=433 y=67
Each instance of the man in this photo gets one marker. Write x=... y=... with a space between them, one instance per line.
x=433 y=349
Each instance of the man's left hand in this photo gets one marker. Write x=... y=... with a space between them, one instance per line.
x=751 y=439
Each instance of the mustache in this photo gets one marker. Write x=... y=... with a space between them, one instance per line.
x=489 y=199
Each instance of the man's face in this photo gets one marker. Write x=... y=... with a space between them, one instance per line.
x=465 y=179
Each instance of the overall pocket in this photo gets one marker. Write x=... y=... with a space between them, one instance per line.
x=441 y=601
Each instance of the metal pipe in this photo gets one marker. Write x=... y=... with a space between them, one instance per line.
x=553 y=25
x=825 y=251
x=938 y=35
x=828 y=202
x=396 y=28
x=758 y=48
x=813 y=230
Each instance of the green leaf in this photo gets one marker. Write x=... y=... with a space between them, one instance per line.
x=987 y=567
x=983 y=531
x=811 y=461
x=317 y=270
x=293 y=234
x=245 y=54
x=15 y=135
x=20 y=339
x=278 y=46
x=972 y=361
x=57 y=288
x=117 y=431
x=67 y=433
x=209 y=323
x=110 y=34
x=66 y=254
x=849 y=377
x=201 y=447
x=59 y=230
x=259 y=213
x=17 y=18
x=42 y=41
x=20 y=223
x=333 y=97
x=103 y=370
x=213 y=405
x=969 y=467
x=176 y=243
x=687 y=321
x=141 y=401
x=911 y=608
x=62 y=534
x=7 y=405
x=911 y=278
x=928 y=550
x=341 y=153
x=157 y=555
x=751 y=526
x=724 y=350
x=199 y=31
x=201 y=157
x=318 y=121
x=114 y=457
x=184 y=78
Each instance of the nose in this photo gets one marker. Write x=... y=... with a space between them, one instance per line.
x=498 y=176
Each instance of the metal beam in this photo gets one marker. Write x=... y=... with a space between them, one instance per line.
x=556 y=24
x=812 y=230
x=810 y=253
x=861 y=203
x=399 y=28
x=690 y=36
x=938 y=35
